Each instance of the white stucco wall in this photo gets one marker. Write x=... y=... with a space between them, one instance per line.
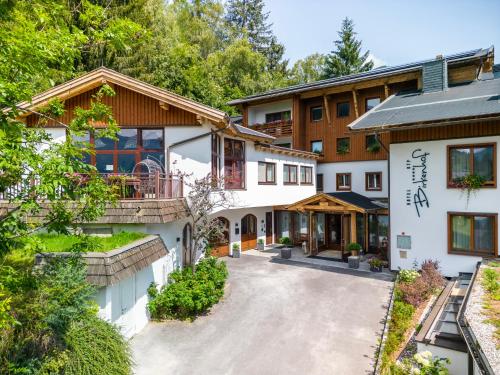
x=459 y=361
x=357 y=170
x=429 y=237
x=194 y=158
x=257 y=113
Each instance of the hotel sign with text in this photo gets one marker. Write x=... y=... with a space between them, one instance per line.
x=417 y=193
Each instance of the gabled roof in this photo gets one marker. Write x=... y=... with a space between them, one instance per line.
x=103 y=75
x=348 y=201
x=476 y=100
x=358 y=77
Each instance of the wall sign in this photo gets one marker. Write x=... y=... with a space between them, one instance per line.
x=416 y=194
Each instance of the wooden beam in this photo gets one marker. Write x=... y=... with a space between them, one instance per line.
x=327 y=109
x=353 y=228
x=355 y=98
x=163 y=105
x=386 y=90
x=403 y=77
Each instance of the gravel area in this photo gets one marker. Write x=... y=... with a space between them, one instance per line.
x=483 y=331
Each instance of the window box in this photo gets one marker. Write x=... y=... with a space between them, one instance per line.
x=465 y=161
x=472 y=234
x=343 y=145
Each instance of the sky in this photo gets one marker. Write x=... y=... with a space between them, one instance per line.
x=395 y=32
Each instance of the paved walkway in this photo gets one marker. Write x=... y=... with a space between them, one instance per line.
x=276 y=318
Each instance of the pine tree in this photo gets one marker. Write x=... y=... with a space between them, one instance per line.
x=347 y=58
x=248 y=19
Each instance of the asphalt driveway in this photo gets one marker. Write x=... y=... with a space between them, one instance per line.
x=275 y=319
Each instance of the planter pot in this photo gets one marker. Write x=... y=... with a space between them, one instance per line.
x=260 y=246
x=353 y=262
x=286 y=253
x=376 y=269
x=236 y=253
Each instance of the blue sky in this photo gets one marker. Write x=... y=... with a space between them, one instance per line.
x=394 y=31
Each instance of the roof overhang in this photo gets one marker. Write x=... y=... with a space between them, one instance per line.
x=323 y=202
x=100 y=76
x=286 y=151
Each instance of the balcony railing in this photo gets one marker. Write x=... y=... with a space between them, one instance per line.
x=139 y=186
x=276 y=129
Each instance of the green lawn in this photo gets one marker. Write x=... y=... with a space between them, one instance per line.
x=60 y=243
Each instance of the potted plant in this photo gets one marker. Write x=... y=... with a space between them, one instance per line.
x=260 y=244
x=354 y=248
x=236 y=250
x=286 y=250
x=375 y=265
x=374 y=147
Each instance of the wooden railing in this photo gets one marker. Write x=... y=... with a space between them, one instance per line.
x=140 y=186
x=276 y=128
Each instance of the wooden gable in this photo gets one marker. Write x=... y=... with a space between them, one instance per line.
x=130 y=108
x=324 y=202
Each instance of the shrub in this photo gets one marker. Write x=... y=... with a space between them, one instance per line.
x=407 y=276
x=285 y=241
x=353 y=246
x=190 y=293
x=96 y=347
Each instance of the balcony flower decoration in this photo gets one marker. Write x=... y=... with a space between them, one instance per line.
x=375 y=147
x=469 y=184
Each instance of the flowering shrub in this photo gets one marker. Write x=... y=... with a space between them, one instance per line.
x=407 y=276
x=423 y=285
x=423 y=363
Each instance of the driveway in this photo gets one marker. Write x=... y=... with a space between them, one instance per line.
x=276 y=318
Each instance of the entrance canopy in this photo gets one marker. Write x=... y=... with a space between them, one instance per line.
x=331 y=221
x=341 y=202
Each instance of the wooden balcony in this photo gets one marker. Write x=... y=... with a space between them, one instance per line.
x=276 y=128
x=128 y=186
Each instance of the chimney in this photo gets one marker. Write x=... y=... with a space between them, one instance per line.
x=435 y=75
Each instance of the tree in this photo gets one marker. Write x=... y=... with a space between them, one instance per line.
x=347 y=58
x=203 y=200
x=248 y=19
x=308 y=69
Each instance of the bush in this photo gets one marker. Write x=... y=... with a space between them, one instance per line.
x=407 y=276
x=96 y=347
x=190 y=293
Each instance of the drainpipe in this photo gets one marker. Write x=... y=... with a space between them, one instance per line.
x=377 y=137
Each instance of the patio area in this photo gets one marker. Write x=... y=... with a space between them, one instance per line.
x=273 y=253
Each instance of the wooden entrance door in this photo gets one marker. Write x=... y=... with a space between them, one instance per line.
x=248 y=232
x=334 y=231
x=269 y=228
x=221 y=246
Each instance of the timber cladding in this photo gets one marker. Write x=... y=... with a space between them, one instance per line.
x=451 y=131
x=111 y=267
x=129 y=109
